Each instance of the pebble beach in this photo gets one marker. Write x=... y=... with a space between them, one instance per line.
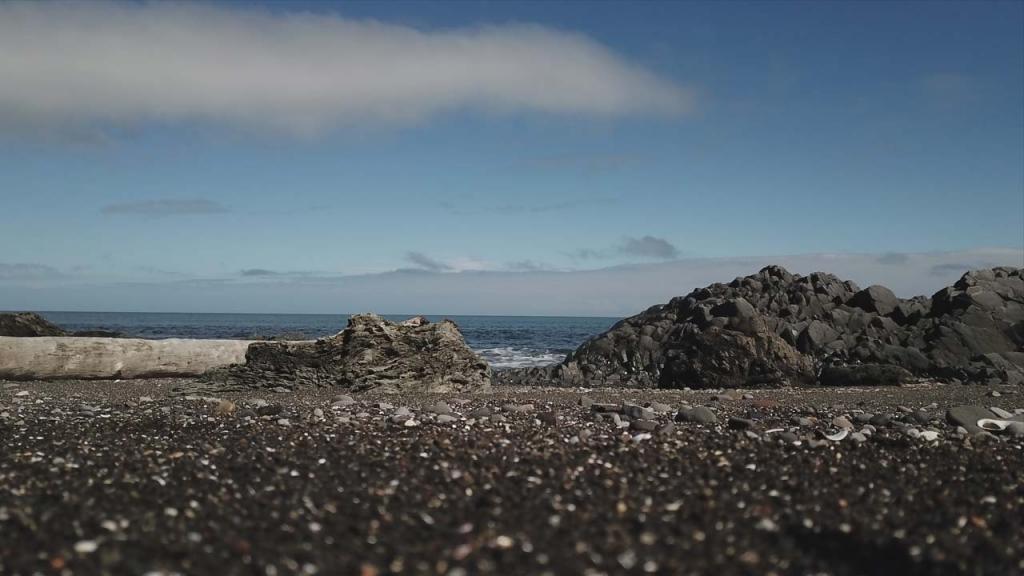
x=129 y=477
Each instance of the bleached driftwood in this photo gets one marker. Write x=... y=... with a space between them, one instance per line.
x=53 y=358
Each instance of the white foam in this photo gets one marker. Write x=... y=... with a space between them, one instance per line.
x=511 y=357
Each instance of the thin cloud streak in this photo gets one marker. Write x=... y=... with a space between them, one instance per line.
x=124 y=64
x=166 y=207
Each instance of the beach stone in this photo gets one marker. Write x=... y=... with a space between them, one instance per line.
x=666 y=429
x=519 y=408
x=1015 y=429
x=842 y=422
x=440 y=408
x=737 y=423
x=445 y=419
x=1005 y=415
x=858 y=437
x=880 y=420
x=644 y=425
x=660 y=407
x=637 y=412
x=482 y=412
x=548 y=417
x=698 y=415
x=789 y=437
x=967 y=417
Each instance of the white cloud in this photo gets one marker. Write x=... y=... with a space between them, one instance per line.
x=73 y=64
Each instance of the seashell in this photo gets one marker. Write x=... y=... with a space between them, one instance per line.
x=993 y=425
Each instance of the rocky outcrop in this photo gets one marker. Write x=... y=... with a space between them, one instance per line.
x=371 y=353
x=776 y=328
x=27 y=324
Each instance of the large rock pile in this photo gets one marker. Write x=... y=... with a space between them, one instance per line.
x=775 y=328
x=371 y=353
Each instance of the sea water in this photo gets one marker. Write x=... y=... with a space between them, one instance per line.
x=504 y=341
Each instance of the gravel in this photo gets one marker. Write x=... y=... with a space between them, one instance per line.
x=93 y=480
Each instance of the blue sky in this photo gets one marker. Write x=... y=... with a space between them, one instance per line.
x=312 y=143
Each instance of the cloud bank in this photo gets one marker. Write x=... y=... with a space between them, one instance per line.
x=71 y=64
x=616 y=291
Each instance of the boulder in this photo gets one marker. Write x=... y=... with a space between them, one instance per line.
x=370 y=354
x=27 y=324
x=878 y=299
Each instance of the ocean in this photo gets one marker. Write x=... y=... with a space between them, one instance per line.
x=504 y=341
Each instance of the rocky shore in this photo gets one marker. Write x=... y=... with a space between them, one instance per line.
x=125 y=477
x=775 y=328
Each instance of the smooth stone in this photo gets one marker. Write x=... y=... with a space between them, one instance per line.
x=403 y=411
x=666 y=429
x=1004 y=414
x=737 y=423
x=1015 y=429
x=967 y=417
x=929 y=435
x=880 y=420
x=445 y=419
x=801 y=421
x=644 y=425
x=586 y=401
x=519 y=408
x=858 y=437
x=698 y=415
x=440 y=408
x=789 y=437
x=660 y=408
x=481 y=412
x=344 y=399
x=548 y=417
x=637 y=412
x=842 y=422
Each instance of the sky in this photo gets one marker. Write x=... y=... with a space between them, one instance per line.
x=499 y=157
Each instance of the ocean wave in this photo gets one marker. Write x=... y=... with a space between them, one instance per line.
x=513 y=357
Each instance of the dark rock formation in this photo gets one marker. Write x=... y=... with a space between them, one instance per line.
x=775 y=328
x=371 y=353
x=27 y=324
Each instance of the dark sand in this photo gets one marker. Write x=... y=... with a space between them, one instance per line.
x=94 y=480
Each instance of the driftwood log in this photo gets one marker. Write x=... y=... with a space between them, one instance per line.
x=56 y=358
